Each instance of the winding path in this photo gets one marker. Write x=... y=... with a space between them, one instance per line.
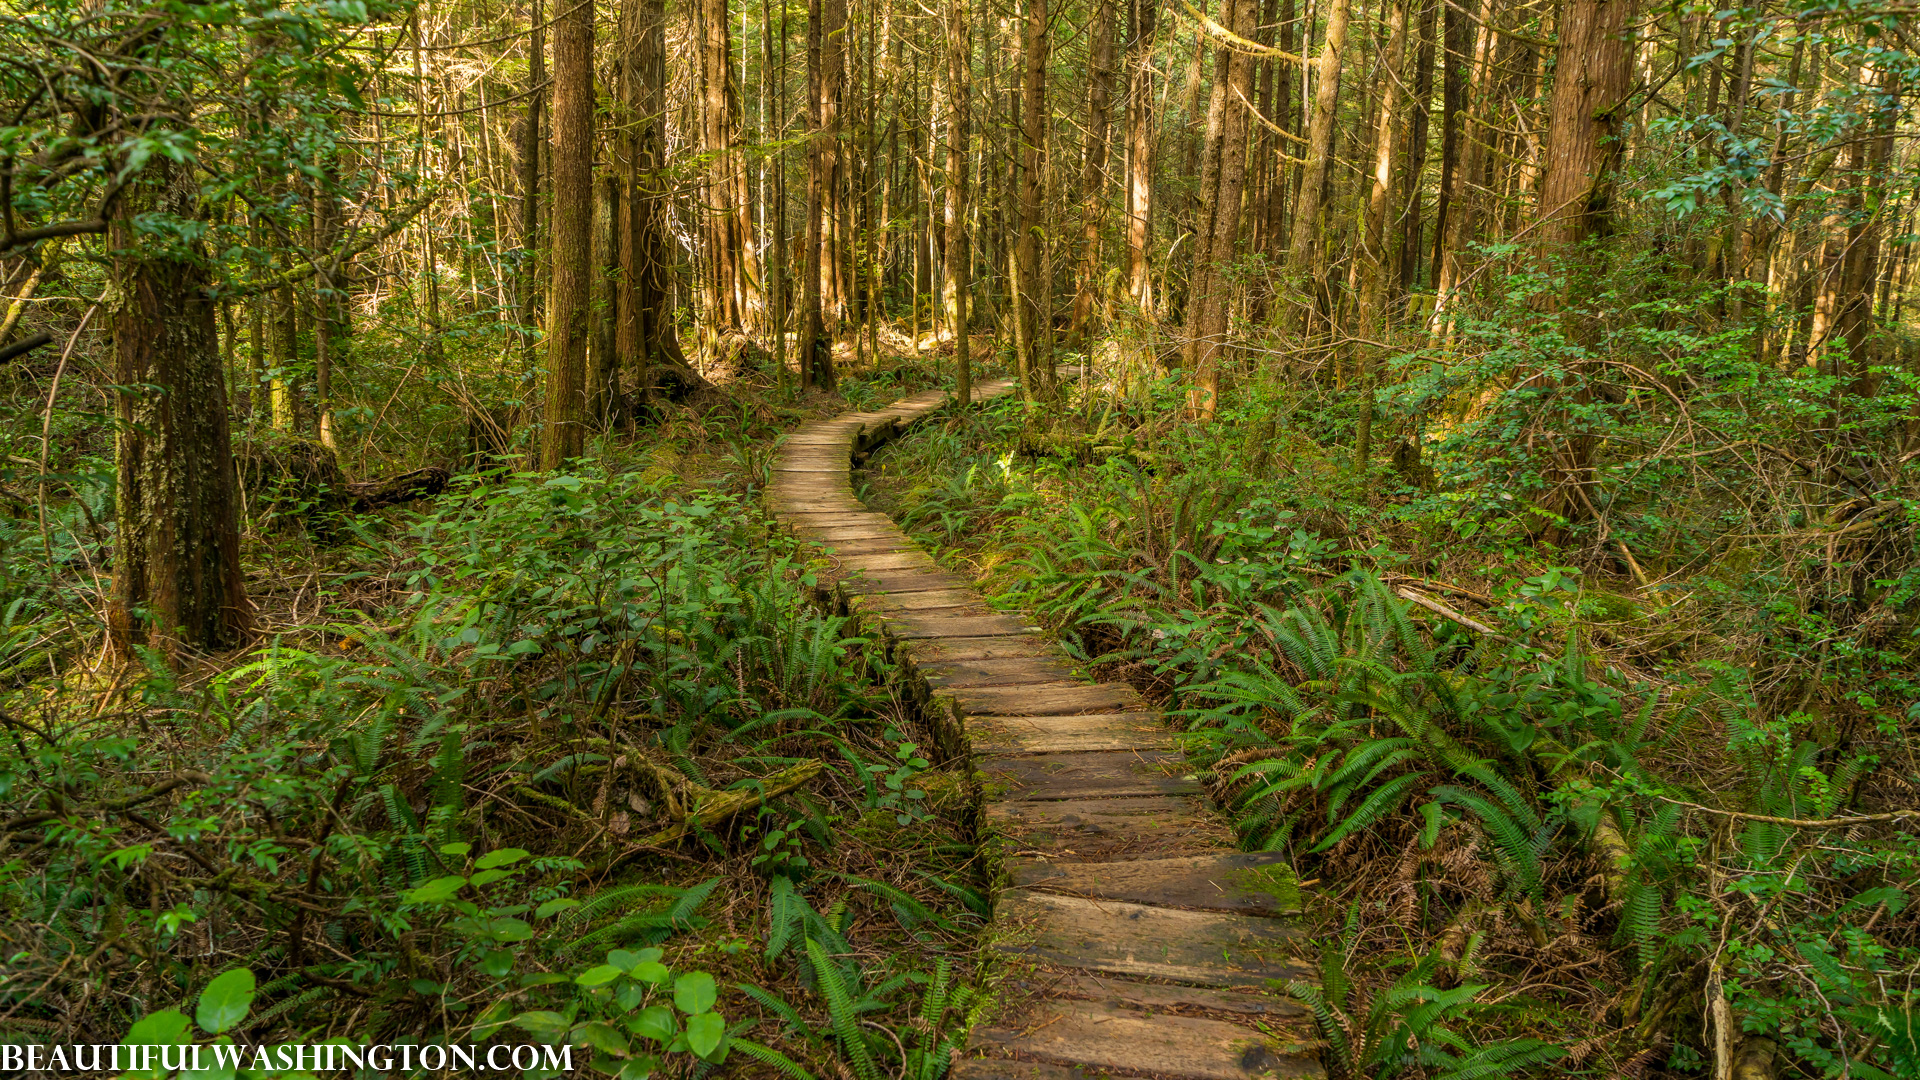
x=1132 y=934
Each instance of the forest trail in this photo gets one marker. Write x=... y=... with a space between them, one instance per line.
x=1131 y=930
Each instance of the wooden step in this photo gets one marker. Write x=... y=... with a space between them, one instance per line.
x=1065 y=734
x=1063 y=698
x=1201 y=948
x=1101 y=1036
x=1107 y=830
x=1246 y=883
x=1103 y=775
x=991 y=647
x=908 y=627
x=1009 y=671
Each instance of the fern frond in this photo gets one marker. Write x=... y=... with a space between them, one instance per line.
x=840 y=1008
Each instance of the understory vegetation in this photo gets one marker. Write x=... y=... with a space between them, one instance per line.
x=1628 y=793
x=563 y=758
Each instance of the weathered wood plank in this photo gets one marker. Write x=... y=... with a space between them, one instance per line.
x=1064 y=734
x=1198 y=947
x=1064 y=698
x=1091 y=775
x=908 y=627
x=1108 y=830
x=1103 y=1036
x=1248 y=883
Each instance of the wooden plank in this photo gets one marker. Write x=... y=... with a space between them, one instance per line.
x=907 y=627
x=872 y=545
x=1098 y=1035
x=1248 y=883
x=992 y=647
x=911 y=559
x=936 y=599
x=1063 y=699
x=1091 y=775
x=899 y=581
x=995 y=735
x=1202 y=948
x=1010 y=671
x=1273 y=1010
x=1108 y=830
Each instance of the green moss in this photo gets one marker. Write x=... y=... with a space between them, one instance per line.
x=1275 y=879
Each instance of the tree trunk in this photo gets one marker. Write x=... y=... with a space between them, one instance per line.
x=1449 y=261
x=1093 y=163
x=1591 y=81
x=177 y=583
x=1372 y=264
x=1303 y=238
x=959 y=266
x=824 y=28
x=732 y=291
x=1141 y=15
x=1209 y=295
x=571 y=296
x=1454 y=62
x=1407 y=274
x=1032 y=299
x=531 y=140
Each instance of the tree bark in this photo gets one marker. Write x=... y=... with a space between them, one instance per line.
x=532 y=139
x=1032 y=293
x=1093 y=163
x=565 y=436
x=1591 y=80
x=1368 y=323
x=825 y=20
x=959 y=255
x=732 y=289
x=1303 y=238
x=1449 y=260
x=1141 y=16
x=1209 y=295
x=177 y=583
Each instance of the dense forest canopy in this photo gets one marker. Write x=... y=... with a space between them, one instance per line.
x=1490 y=429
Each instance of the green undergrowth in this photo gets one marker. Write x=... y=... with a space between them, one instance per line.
x=1562 y=821
x=569 y=759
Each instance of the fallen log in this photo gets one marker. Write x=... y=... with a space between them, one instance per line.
x=394 y=490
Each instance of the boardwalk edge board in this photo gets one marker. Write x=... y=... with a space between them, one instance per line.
x=1135 y=940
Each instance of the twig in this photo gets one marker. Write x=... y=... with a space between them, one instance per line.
x=1446 y=612
x=1800 y=823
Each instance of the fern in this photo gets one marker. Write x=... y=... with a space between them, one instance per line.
x=768 y=1056
x=840 y=1007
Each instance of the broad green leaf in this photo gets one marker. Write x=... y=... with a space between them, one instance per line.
x=168 y=1027
x=601 y=1037
x=542 y=1025
x=654 y=1022
x=705 y=1033
x=695 y=992
x=225 y=1001
x=502 y=857
x=436 y=890
x=599 y=976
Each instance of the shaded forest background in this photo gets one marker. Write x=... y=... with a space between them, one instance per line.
x=1490 y=427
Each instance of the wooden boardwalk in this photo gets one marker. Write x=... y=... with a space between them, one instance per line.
x=1135 y=938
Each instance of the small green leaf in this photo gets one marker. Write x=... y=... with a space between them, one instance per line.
x=599 y=976
x=554 y=906
x=502 y=857
x=542 y=1025
x=456 y=849
x=622 y=959
x=508 y=930
x=436 y=890
x=601 y=1037
x=488 y=877
x=705 y=1033
x=168 y=1027
x=695 y=992
x=654 y=1022
x=651 y=971
x=225 y=1001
